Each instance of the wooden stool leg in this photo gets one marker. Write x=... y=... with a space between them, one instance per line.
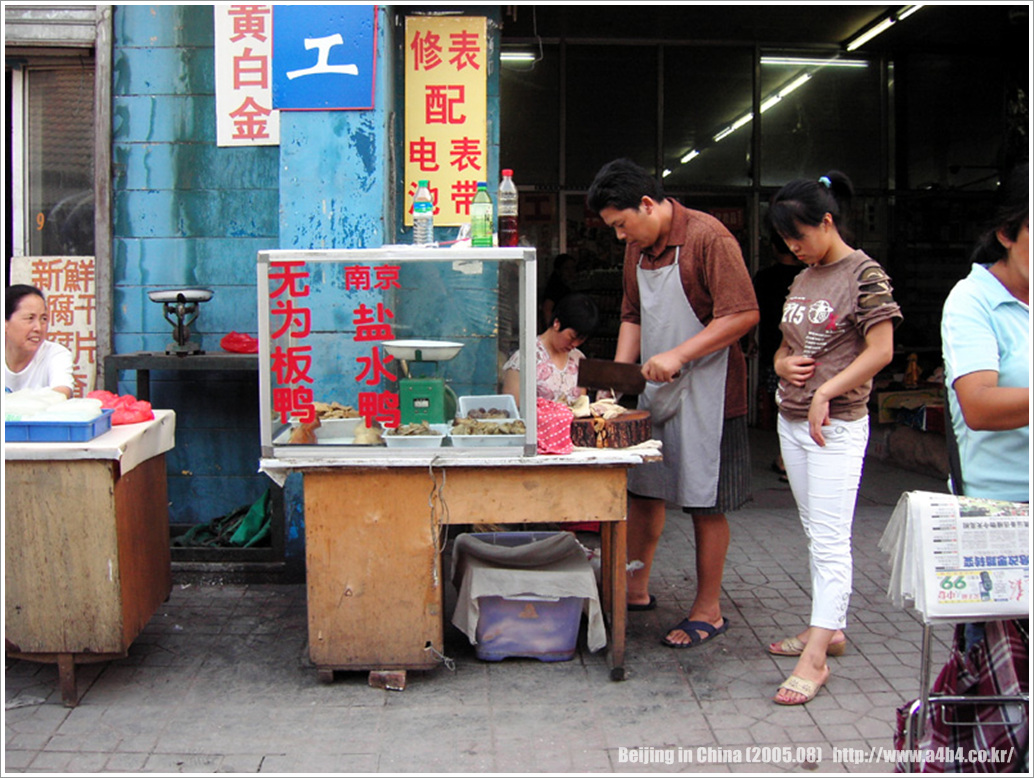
x=66 y=674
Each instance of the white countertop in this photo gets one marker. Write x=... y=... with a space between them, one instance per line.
x=129 y=444
x=279 y=468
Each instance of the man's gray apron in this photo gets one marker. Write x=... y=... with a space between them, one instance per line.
x=688 y=413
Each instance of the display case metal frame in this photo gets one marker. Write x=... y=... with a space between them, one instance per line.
x=525 y=260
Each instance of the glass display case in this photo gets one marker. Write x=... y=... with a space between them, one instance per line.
x=396 y=352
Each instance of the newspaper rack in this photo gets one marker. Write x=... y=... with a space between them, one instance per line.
x=957 y=559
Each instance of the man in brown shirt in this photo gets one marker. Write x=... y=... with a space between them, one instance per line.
x=688 y=299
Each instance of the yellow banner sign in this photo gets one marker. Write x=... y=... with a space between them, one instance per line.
x=446 y=139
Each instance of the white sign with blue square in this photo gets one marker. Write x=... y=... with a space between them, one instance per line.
x=323 y=56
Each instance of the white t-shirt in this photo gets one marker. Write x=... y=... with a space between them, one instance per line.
x=52 y=366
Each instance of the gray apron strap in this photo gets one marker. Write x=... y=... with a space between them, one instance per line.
x=688 y=413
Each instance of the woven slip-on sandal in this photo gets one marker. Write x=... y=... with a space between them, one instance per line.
x=794 y=647
x=801 y=686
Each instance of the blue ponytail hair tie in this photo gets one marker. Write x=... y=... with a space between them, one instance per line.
x=825 y=182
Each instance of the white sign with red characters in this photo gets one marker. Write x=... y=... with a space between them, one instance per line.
x=70 y=286
x=244 y=76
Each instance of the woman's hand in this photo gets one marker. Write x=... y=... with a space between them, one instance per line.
x=818 y=416
x=663 y=367
x=797 y=370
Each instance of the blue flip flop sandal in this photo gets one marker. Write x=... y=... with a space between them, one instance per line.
x=691 y=628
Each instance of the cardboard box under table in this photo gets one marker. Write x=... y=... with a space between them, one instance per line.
x=86 y=529
x=522 y=594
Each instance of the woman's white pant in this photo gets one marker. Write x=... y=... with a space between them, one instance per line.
x=824 y=482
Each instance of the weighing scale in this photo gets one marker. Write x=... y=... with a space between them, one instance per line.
x=183 y=305
x=423 y=394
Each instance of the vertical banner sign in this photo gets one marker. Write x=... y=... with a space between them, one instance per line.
x=70 y=286
x=243 y=76
x=324 y=57
x=446 y=139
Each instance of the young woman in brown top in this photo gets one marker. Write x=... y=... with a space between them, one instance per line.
x=837 y=325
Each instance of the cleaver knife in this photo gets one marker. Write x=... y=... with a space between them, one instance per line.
x=603 y=374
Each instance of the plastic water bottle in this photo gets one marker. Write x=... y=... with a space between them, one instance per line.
x=423 y=214
x=481 y=218
x=507 y=210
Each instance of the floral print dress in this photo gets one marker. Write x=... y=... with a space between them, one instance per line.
x=552 y=382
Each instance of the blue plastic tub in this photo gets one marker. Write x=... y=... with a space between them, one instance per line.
x=535 y=627
x=57 y=431
x=529 y=626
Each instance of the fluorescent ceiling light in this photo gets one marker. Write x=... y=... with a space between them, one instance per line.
x=517 y=56
x=871 y=33
x=815 y=62
x=745 y=119
x=795 y=84
x=691 y=155
x=908 y=10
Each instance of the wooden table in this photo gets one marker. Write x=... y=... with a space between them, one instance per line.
x=374 y=535
x=87 y=545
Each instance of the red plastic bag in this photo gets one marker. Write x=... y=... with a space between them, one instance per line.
x=239 y=343
x=108 y=399
x=554 y=427
x=132 y=412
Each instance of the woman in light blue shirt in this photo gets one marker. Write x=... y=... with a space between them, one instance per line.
x=985 y=336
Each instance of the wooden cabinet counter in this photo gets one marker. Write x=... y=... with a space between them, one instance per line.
x=375 y=531
x=86 y=536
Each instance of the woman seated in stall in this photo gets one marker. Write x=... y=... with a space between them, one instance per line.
x=556 y=352
x=30 y=360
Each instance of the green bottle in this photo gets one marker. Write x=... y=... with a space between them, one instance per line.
x=481 y=218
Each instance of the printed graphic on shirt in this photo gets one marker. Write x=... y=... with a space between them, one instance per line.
x=874 y=288
x=820 y=314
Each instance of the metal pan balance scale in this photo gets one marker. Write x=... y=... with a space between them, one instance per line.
x=180 y=307
x=423 y=393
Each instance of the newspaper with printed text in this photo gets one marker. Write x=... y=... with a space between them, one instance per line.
x=959 y=558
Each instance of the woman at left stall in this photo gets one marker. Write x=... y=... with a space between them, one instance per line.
x=30 y=360
x=556 y=352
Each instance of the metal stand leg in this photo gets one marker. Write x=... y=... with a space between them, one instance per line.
x=916 y=721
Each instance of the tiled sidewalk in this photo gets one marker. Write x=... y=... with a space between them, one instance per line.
x=220 y=680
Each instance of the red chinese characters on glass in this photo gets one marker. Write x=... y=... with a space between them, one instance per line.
x=374 y=324
x=299 y=318
x=291 y=365
x=382 y=407
x=387 y=277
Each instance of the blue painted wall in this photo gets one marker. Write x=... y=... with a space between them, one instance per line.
x=187 y=212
